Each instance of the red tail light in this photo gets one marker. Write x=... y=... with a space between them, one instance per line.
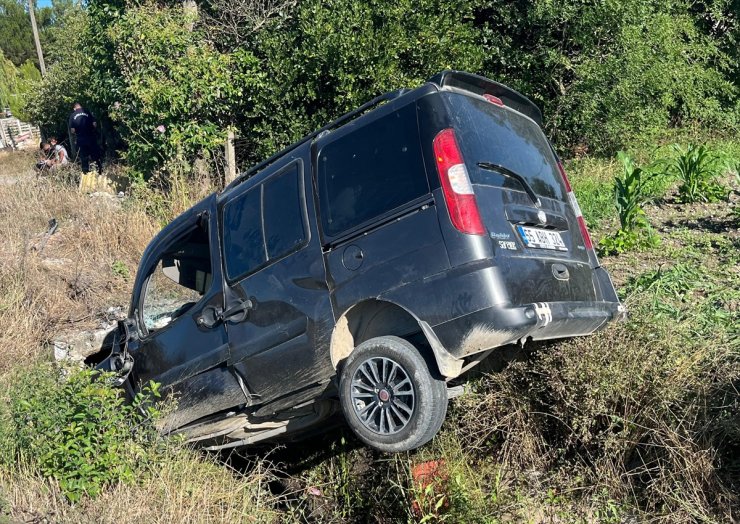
x=456 y=186
x=574 y=203
x=584 y=231
x=494 y=99
x=565 y=177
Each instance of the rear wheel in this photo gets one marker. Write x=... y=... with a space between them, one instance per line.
x=390 y=398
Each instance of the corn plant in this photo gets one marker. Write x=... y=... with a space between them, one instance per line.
x=697 y=167
x=629 y=196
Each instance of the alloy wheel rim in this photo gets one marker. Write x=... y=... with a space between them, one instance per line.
x=383 y=395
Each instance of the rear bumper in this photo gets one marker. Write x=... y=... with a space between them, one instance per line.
x=496 y=326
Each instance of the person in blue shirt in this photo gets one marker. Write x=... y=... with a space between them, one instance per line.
x=84 y=127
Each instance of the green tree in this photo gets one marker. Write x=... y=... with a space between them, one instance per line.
x=51 y=21
x=15 y=28
x=67 y=74
x=332 y=56
x=608 y=72
x=15 y=84
x=173 y=94
x=605 y=73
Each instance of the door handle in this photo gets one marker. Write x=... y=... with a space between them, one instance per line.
x=242 y=307
x=212 y=315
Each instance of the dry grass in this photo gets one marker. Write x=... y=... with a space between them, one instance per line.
x=187 y=487
x=16 y=163
x=66 y=280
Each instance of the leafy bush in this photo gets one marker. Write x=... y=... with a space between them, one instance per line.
x=167 y=82
x=15 y=83
x=612 y=74
x=72 y=426
x=697 y=168
x=629 y=197
x=332 y=56
x=175 y=95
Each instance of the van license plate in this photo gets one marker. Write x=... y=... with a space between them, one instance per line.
x=541 y=238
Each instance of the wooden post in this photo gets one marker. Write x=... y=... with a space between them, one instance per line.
x=230 y=174
x=36 y=40
x=190 y=8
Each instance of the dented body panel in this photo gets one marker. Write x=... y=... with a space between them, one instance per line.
x=345 y=236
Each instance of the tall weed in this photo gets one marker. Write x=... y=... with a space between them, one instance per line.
x=697 y=169
x=625 y=419
x=629 y=197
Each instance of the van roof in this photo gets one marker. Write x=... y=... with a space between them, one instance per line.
x=446 y=79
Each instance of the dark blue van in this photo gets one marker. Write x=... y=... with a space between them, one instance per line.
x=364 y=267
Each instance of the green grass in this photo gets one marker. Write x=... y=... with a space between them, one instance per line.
x=593 y=184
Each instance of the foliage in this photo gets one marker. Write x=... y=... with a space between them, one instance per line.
x=330 y=57
x=174 y=96
x=611 y=73
x=629 y=197
x=15 y=27
x=72 y=426
x=15 y=83
x=697 y=168
x=67 y=78
x=607 y=74
x=17 y=41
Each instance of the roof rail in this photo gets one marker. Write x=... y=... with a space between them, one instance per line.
x=480 y=85
x=336 y=123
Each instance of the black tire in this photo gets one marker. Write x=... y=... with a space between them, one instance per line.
x=413 y=398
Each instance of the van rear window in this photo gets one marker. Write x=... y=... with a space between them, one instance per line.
x=489 y=133
x=371 y=171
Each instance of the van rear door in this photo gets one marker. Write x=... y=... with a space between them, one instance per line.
x=523 y=201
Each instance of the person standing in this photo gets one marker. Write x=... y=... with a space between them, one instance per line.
x=84 y=127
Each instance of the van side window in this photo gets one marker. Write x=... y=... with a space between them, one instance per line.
x=244 y=244
x=264 y=224
x=371 y=171
x=283 y=214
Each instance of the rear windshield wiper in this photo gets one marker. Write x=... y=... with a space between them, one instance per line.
x=488 y=166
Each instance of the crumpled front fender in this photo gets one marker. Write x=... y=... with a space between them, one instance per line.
x=120 y=360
